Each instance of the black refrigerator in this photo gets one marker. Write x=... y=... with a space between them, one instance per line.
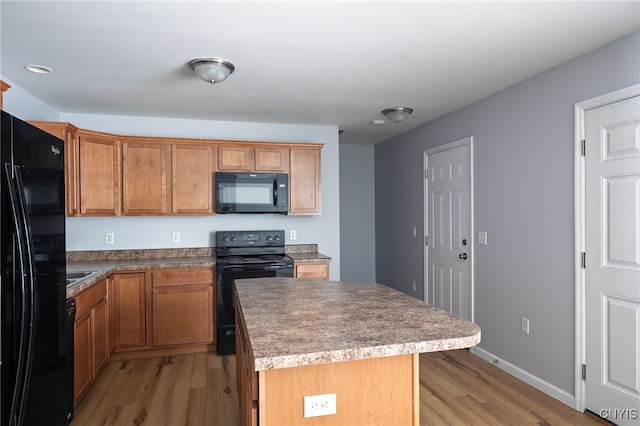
x=36 y=321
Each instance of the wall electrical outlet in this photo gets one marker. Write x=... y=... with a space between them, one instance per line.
x=109 y=238
x=320 y=405
x=175 y=236
x=293 y=234
x=524 y=325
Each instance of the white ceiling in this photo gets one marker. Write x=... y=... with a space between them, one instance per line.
x=327 y=63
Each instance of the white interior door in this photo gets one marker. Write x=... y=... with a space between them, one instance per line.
x=448 y=219
x=612 y=276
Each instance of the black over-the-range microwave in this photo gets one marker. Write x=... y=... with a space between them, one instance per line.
x=251 y=192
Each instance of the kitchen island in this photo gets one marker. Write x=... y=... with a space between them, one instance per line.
x=297 y=338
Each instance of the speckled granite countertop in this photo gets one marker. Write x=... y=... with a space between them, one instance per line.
x=107 y=262
x=292 y=322
x=104 y=268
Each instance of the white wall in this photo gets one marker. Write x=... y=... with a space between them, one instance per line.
x=523 y=182
x=155 y=232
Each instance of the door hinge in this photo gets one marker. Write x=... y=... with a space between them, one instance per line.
x=584 y=260
x=426 y=174
x=426 y=240
x=584 y=371
x=583 y=143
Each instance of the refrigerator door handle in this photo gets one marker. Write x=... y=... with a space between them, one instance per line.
x=24 y=259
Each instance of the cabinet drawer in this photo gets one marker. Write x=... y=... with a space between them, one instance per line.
x=312 y=270
x=89 y=298
x=171 y=277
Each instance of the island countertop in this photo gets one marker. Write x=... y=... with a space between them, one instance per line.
x=296 y=322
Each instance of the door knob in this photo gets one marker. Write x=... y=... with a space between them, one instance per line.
x=463 y=256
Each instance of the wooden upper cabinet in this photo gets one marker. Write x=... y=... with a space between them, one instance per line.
x=68 y=133
x=271 y=159
x=110 y=175
x=304 y=181
x=192 y=178
x=251 y=158
x=146 y=176
x=236 y=158
x=3 y=88
x=99 y=178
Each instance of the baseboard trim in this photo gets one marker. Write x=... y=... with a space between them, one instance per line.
x=543 y=386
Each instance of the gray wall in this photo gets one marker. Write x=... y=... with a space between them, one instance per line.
x=524 y=154
x=357 y=216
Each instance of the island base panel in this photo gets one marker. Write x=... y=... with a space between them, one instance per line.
x=368 y=391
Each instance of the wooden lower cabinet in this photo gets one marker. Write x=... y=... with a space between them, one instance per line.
x=314 y=270
x=91 y=338
x=129 y=298
x=182 y=306
x=82 y=370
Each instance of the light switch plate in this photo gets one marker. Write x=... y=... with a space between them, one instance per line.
x=482 y=238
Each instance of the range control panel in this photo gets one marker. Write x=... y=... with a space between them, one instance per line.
x=249 y=238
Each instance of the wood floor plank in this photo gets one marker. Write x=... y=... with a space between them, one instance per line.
x=214 y=411
x=162 y=397
x=178 y=404
x=107 y=405
x=145 y=393
x=456 y=388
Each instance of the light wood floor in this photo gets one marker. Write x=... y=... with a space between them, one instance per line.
x=456 y=388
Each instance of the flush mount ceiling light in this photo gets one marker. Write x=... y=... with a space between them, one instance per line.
x=397 y=114
x=38 y=69
x=212 y=70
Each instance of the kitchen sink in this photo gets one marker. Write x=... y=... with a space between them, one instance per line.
x=78 y=275
x=74 y=277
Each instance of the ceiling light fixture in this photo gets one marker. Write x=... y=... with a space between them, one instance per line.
x=212 y=70
x=397 y=114
x=38 y=69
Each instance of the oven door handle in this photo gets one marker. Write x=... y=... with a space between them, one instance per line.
x=247 y=268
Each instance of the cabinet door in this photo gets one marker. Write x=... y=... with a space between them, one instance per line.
x=304 y=181
x=272 y=159
x=67 y=133
x=99 y=174
x=129 y=311
x=82 y=368
x=100 y=337
x=192 y=179
x=145 y=178
x=111 y=323
x=236 y=158
x=182 y=315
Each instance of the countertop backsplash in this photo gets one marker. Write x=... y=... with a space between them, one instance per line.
x=92 y=255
